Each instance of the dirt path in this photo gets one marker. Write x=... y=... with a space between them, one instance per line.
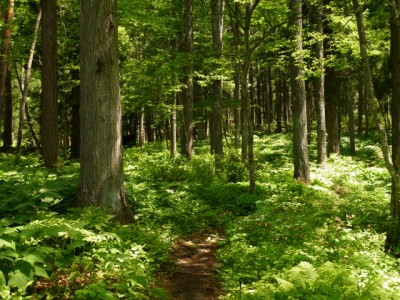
x=192 y=277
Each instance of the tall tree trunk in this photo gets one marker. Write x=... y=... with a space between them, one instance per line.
x=5 y=78
x=101 y=173
x=26 y=109
x=350 y=112
x=26 y=83
x=5 y=53
x=217 y=17
x=49 y=110
x=247 y=117
x=75 y=120
x=360 y=105
x=8 y=112
x=173 y=126
x=332 y=119
x=300 y=146
x=270 y=100
x=237 y=79
x=279 y=97
x=286 y=105
x=187 y=138
x=320 y=89
x=393 y=235
x=142 y=131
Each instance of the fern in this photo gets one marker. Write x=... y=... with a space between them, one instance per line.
x=284 y=285
x=303 y=275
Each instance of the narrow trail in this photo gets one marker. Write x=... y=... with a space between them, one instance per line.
x=193 y=275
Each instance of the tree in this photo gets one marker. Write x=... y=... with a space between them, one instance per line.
x=187 y=136
x=49 y=111
x=217 y=10
x=101 y=174
x=320 y=88
x=25 y=86
x=393 y=235
x=5 y=77
x=300 y=146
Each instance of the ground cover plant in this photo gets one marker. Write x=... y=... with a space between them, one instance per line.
x=287 y=241
x=323 y=241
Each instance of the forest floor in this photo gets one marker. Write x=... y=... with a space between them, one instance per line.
x=192 y=275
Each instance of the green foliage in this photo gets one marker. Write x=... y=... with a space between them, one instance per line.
x=322 y=241
x=287 y=241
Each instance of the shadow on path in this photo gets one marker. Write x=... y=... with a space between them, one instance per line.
x=193 y=277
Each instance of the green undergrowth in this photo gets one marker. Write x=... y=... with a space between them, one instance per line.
x=286 y=241
x=322 y=241
x=50 y=251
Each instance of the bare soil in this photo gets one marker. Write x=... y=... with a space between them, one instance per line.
x=192 y=276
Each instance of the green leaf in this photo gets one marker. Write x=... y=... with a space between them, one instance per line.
x=2 y=281
x=33 y=258
x=6 y=244
x=40 y=271
x=18 y=279
x=24 y=267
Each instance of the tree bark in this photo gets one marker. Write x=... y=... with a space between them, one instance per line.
x=237 y=79
x=393 y=234
x=360 y=105
x=332 y=120
x=217 y=17
x=101 y=173
x=76 y=123
x=350 y=112
x=278 y=107
x=300 y=146
x=142 y=133
x=8 y=112
x=5 y=53
x=187 y=138
x=173 y=126
x=26 y=83
x=49 y=109
x=320 y=89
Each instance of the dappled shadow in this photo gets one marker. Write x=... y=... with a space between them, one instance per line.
x=192 y=276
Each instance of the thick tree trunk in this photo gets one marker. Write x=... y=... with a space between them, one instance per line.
x=5 y=51
x=217 y=17
x=300 y=146
x=101 y=173
x=25 y=87
x=320 y=90
x=393 y=234
x=187 y=138
x=49 y=110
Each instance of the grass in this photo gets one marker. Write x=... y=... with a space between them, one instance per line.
x=322 y=241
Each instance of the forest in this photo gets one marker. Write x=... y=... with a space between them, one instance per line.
x=180 y=149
